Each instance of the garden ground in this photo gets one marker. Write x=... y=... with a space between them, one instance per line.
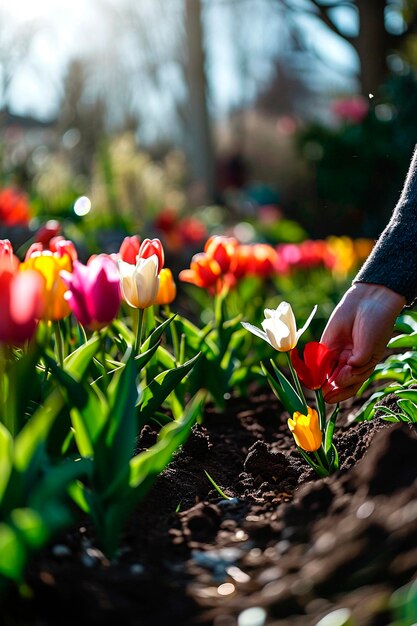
x=294 y=545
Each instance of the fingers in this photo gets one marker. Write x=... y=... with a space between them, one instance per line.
x=345 y=382
x=338 y=395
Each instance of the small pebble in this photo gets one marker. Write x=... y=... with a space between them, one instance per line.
x=61 y=551
x=225 y=589
x=365 y=510
x=340 y=617
x=255 y=616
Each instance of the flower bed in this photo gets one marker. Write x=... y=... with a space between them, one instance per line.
x=101 y=386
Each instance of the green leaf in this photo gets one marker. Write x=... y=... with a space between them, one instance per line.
x=407 y=394
x=154 y=338
x=404 y=341
x=198 y=339
x=88 y=421
x=12 y=553
x=32 y=438
x=115 y=445
x=77 y=362
x=158 y=389
x=217 y=488
x=76 y=393
x=144 y=357
x=6 y=458
x=30 y=526
x=292 y=396
x=328 y=440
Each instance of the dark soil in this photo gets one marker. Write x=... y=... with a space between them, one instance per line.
x=294 y=545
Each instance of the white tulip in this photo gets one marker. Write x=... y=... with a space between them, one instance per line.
x=280 y=328
x=139 y=283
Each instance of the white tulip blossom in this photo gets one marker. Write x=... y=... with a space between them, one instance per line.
x=280 y=328
x=139 y=283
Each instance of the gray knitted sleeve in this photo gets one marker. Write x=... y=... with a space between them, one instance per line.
x=393 y=261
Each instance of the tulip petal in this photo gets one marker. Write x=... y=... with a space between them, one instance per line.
x=255 y=331
x=306 y=325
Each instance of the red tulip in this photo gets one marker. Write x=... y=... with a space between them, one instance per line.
x=21 y=304
x=60 y=246
x=222 y=250
x=51 y=229
x=8 y=261
x=150 y=247
x=14 y=207
x=129 y=249
x=317 y=365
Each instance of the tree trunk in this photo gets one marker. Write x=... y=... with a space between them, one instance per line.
x=372 y=45
x=201 y=146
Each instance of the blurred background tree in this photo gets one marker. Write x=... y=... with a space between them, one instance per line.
x=96 y=97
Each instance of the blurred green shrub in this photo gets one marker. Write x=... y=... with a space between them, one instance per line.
x=360 y=164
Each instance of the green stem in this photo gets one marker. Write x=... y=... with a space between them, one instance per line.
x=103 y=359
x=319 y=460
x=139 y=330
x=59 y=344
x=322 y=410
x=295 y=378
x=174 y=334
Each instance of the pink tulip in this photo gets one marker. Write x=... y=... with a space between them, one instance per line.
x=93 y=291
x=21 y=305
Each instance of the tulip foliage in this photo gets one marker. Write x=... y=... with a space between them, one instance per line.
x=76 y=387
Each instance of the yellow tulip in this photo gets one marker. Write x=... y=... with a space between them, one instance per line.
x=139 y=283
x=49 y=267
x=306 y=430
x=167 y=288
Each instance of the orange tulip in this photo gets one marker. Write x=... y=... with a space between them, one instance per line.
x=204 y=271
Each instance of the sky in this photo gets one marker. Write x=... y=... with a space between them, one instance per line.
x=65 y=28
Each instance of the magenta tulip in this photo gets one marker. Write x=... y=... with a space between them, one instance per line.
x=93 y=291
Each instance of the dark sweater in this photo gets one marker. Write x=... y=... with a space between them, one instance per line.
x=393 y=261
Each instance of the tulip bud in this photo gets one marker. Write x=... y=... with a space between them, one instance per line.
x=46 y=232
x=306 y=430
x=167 y=288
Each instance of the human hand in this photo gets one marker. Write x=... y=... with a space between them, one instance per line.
x=358 y=331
